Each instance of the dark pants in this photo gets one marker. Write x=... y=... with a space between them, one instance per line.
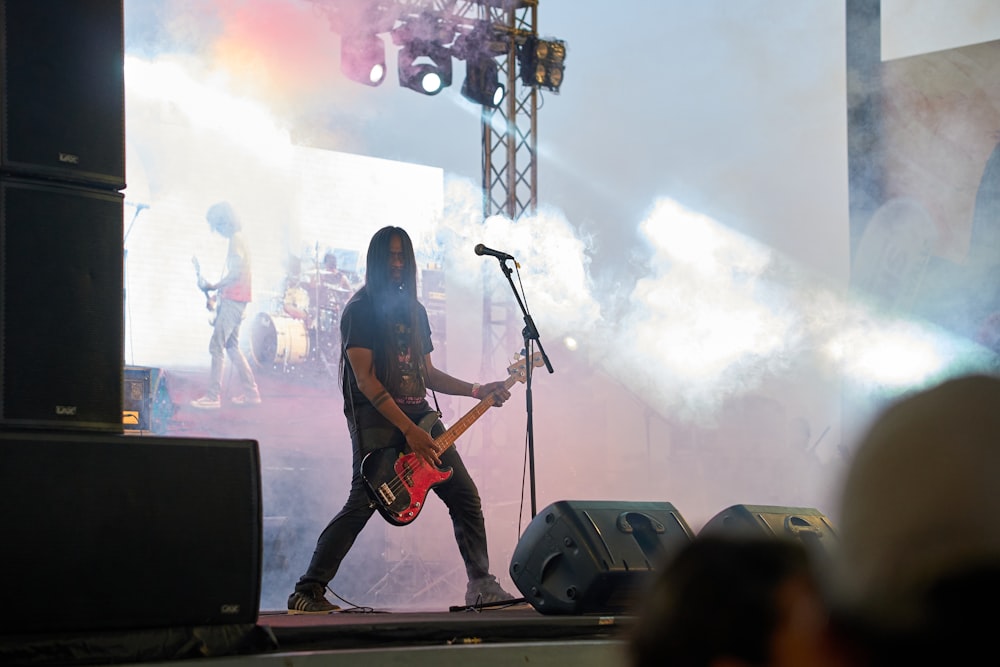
x=459 y=494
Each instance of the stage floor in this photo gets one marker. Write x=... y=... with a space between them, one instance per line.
x=490 y=636
x=519 y=623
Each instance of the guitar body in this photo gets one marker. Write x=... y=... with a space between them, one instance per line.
x=398 y=482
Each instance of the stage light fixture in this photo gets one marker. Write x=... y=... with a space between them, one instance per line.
x=482 y=83
x=362 y=59
x=424 y=67
x=542 y=62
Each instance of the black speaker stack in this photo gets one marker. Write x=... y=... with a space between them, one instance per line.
x=102 y=531
x=62 y=169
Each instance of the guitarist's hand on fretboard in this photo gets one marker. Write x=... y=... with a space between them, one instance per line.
x=498 y=390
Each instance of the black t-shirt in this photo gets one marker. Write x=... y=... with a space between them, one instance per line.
x=360 y=328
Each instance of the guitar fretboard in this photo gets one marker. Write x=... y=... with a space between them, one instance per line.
x=448 y=438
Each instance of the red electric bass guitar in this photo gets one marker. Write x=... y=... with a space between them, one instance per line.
x=398 y=481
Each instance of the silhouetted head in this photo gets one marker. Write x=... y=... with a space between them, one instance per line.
x=919 y=548
x=330 y=261
x=735 y=600
x=223 y=219
x=391 y=264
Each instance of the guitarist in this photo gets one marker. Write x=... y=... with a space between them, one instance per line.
x=232 y=295
x=386 y=370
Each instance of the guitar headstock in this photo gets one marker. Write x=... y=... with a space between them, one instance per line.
x=519 y=369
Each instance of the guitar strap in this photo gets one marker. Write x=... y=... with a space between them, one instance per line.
x=345 y=388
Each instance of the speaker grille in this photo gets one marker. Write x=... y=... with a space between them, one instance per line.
x=128 y=532
x=61 y=315
x=63 y=90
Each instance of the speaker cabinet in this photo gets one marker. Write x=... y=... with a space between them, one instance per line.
x=63 y=90
x=582 y=557
x=806 y=524
x=112 y=532
x=61 y=325
x=146 y=404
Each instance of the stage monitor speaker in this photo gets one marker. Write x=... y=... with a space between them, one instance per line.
x=586 y=557
x=805 y=524
x=112 y=532
x=61 y=325
x=62 y=83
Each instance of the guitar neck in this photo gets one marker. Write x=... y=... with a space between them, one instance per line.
x=448 y=438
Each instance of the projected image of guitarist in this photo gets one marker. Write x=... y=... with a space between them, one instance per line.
x=231 y=295
x=386 y=370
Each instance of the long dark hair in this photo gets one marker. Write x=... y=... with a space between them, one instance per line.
x=378 y=279
x=392 y=303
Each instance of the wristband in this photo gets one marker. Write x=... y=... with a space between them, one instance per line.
x=475 y=390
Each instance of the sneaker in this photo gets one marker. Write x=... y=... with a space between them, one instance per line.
x=485 y=591
x=310 y=602
x=206 y=403
x=246 y=400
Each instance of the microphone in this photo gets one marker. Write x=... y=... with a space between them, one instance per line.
x=483 y=250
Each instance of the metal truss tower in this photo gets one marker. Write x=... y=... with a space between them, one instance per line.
x=510 y=168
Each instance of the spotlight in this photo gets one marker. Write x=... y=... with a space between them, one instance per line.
x=424 y=67
x=482 y=84
x=362 y=58
x=542 y=62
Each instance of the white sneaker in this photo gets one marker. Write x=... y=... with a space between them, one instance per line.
x=253 y=399
x=206 y=403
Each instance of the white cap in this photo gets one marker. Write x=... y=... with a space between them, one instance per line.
x=921 y=500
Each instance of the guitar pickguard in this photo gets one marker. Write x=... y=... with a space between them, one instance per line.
x=398 y=483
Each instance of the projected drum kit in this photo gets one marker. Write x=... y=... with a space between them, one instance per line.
x=303 y=327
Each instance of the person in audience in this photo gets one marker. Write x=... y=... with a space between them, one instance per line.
x=733 y=600
x=917 y=568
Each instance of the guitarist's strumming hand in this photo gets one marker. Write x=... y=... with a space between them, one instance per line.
x=422 y=444
x=205 y=287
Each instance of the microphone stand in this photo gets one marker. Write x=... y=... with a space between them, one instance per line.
x=125 y=312
x=529 y=333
